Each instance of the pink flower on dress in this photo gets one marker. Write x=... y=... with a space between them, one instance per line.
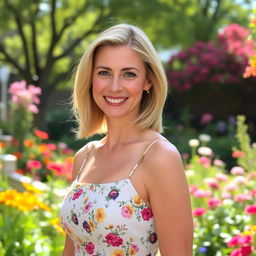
x=146 y=214
x=87 y=207
x=127 y=211
x=90 y=248
x=77 y=194
x=135 y=247
x=113 y=240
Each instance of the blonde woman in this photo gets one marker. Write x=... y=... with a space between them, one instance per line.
x=129 y=194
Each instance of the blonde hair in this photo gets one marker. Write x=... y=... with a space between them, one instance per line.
x=90 y=118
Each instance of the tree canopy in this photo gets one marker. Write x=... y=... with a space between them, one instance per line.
x=41 y=40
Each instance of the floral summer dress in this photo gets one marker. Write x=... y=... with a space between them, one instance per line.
x=109 y=219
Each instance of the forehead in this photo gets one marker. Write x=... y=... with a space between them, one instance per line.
x=117 y=56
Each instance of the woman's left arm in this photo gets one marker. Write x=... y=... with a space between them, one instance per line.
x=170 y=202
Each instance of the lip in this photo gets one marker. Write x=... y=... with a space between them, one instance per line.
x=115 y=101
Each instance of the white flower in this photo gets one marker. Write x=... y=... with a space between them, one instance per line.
x=193 y=143
x=190 y=173
x=205 y=151
x=205 y=137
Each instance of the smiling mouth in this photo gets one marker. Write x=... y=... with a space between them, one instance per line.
x=115 y=100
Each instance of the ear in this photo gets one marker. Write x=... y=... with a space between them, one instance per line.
x=147 y=85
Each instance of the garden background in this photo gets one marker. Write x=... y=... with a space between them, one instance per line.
x=208 y=50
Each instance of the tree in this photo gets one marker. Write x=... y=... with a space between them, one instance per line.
x=42 y=39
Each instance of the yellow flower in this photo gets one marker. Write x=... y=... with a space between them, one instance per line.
x=56 y=224
x=110 y=226
x=118 y=253
x=86 y=199
x=29 y=187
x=137 y=200
x=132 y=251
x=100 y=215
x=92 y=226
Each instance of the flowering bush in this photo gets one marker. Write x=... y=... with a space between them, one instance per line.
x=208 y=76
x=224 y=203
x=24 y=105
x=251 y=68
x=29 y=226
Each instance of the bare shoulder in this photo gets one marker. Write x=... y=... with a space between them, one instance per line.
x=80 y=156
x=162 y=162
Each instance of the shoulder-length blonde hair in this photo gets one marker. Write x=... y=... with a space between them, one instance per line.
x=90 y=118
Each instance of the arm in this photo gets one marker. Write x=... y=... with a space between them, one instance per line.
x=68 y=248
x=169 y=200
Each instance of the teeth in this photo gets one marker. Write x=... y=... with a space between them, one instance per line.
x=115 y=101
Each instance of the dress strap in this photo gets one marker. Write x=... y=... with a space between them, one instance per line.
x=144 y=153
x=83 y=164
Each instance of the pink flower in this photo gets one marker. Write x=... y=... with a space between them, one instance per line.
x=231 y=187
x=199 y=211
x=206 y=118
x=214 y=202
x=237 y=170
x=251 y=209
x=205 y=161
x=57 y=168
x=90 y=248
x=127 y=211
x=221 y=177
x=113 y=240
x=34 y=164
x=237 y=153
x=240 y=180
x=226 y=195
x=218 y=162
x=212 y=183
x=193 y=188
x=33 y=108
x=242 y=197
x=135 y=247
x=87 y=207
x=146 y=214
x=200 y=193
x=77 y=194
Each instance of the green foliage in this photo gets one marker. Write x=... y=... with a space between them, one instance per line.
x=248 y=157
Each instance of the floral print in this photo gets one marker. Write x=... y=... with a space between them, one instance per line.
x=108 y=219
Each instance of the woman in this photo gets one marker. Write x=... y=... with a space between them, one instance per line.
x=129 y=194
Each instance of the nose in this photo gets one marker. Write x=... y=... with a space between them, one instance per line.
x=115 y=85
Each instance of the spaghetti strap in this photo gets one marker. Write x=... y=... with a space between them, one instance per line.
x=144 y=153
x=83 y=164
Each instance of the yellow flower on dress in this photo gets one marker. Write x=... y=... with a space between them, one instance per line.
x=118 y=253
x=137 y=200
x=92 y=226
x=132 y=251
x=86 y=199
x=110 y=226
x=100 y=215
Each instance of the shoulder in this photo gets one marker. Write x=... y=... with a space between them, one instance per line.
x=81 y=156
x=163 y=165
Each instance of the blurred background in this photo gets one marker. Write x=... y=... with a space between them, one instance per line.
x=208 y=50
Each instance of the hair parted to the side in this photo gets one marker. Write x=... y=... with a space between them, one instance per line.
x=90 y=118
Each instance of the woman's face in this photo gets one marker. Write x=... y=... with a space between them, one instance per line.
x=119 y=78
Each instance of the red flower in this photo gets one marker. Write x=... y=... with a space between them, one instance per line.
x=237 y=153
x=77 y=194
x=214 y=202
x=41 y=134
x=58 y=168
x=146 y=214
x=89 y=248
x=251 y=209
x=114 y=240
x=199 y=212
x=34 y=164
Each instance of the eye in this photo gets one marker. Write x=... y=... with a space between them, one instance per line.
x=103 y=73
x=129 y=74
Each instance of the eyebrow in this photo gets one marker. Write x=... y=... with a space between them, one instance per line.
x=123 y=69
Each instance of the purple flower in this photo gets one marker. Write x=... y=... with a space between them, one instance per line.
x=153 y=238
x=75 y=219
x=113 y=194
x=86 y=226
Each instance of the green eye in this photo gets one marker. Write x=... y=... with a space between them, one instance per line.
x=129 y=74
x=103 y=73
